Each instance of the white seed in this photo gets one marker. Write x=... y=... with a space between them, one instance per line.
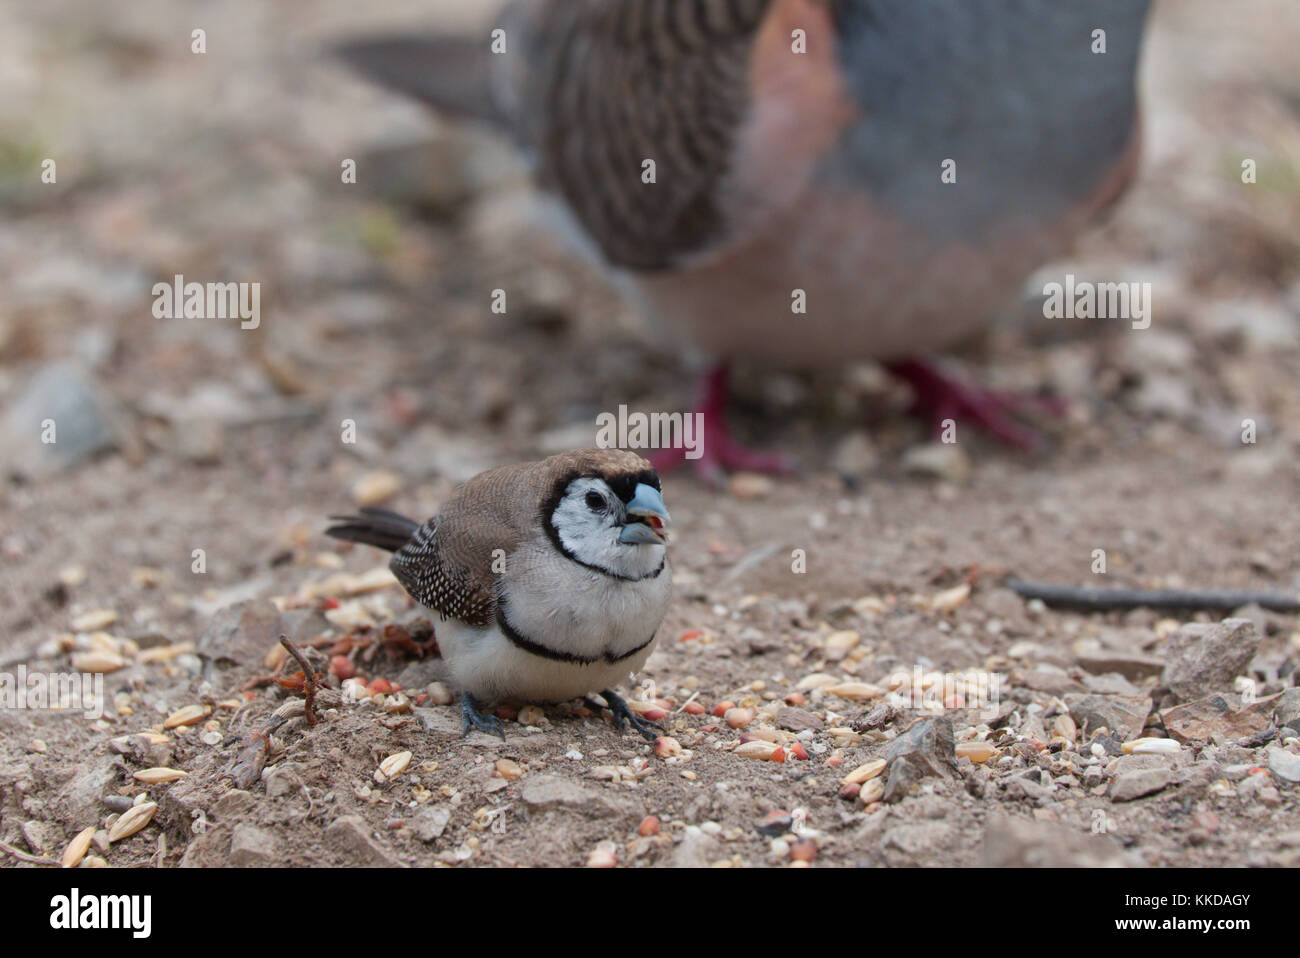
x=1064 y=726
x=97 y=661
x=375 y=487
x=439 y=694
x=759 y=750
x=77 y=848
x=950 y=599
x=94 y=621
x=977 y=752
x=817 y=680
x=187 y=716
x=395 y=764
x=855 y=691
x=872 y=791
x=840 y=644
x=531 y=715
x=1151 y=746
x=158 y=776
x=864 y=773
x=133 y=819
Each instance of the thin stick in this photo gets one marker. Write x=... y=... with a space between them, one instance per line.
x=309 y=678
x=1101 y=600
x=24 y=857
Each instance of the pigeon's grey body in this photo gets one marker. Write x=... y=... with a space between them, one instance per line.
x=787 y=174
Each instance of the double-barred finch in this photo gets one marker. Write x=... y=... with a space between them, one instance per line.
x=830 y=180
x=551 y=578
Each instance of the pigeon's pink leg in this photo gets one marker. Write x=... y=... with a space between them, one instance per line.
x=719 y=453
x=941 y=396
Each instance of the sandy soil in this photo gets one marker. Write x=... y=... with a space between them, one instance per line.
x=376 y=310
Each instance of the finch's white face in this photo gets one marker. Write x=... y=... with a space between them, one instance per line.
x=618 y=534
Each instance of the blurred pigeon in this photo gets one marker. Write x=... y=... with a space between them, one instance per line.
x=805 y=183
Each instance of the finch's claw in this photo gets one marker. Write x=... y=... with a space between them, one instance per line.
x=472 y=717
x=624 y=716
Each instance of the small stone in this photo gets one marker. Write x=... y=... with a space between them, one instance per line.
x=1124 y=715
x=924 y=750
x=937 y=460
x=253 y=847
x=1284 y=764
x=284 y=780
x=1019 y=843
x=66 y=398
x=351 y=835
x=1129 y=665
x=1135 y=784
x=1202 y=660
x=798 y=720
x=1215 y=718
x=604 y=855
x=430 y=822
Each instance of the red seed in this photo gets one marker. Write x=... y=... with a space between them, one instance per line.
x=850 y=790
x=688 y=635
x=709 y=728
x=720 y=709
x=380 y=687
x=799 y=752
x=329 y=603
x=649 y=826
x=343 y=667
x=507 y=712
x=778 y=756
x=804 y=850
x=694 y=708
x=654 y=715
x=796 y=698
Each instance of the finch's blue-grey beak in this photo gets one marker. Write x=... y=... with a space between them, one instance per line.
x=647 y=517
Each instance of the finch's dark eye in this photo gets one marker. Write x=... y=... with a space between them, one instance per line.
x=595 y=501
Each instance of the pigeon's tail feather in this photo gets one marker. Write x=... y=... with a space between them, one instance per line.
x=374 y=527
x=452 y=74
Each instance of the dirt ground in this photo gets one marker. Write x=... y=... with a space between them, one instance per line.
x=200 y=435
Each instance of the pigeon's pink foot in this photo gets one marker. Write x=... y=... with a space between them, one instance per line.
x=940 y=396
x=717 y=453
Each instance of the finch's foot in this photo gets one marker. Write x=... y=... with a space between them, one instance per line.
x=472 y=717
x=716 y=453
x=624 y=715
x=941 y=396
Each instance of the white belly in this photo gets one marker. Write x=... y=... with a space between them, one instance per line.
x=485 y=663
x=569 y=609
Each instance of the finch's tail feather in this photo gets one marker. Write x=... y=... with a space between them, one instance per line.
x=452 y=74
x=374 y=527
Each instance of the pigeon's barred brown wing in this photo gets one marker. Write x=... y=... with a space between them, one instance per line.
x=609 y=87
